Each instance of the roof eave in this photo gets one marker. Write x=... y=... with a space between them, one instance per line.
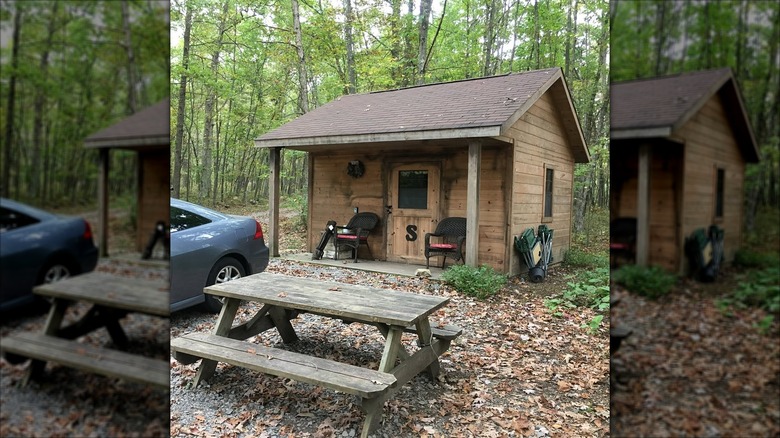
x=140 y=142
x=650 y=132
x=440 y=134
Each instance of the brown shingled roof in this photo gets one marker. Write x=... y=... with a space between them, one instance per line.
x=471 y=108
x=657 y=107
x=149 y=127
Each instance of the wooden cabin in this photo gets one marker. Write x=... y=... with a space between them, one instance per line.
x=679 y=146
x=499 y=151
x=147 y=133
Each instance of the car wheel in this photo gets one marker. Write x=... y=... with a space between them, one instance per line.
x=55 y=272
x=225 y=270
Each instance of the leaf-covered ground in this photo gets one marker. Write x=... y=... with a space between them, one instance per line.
x=689 y=369
x=516 y=371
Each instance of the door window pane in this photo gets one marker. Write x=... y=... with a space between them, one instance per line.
x=413 y=189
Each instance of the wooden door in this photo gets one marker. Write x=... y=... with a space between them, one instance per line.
x=414 y=209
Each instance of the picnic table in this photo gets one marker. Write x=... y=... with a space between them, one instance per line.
x=111 y=297
x=283 y=298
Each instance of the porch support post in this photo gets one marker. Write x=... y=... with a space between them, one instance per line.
x=103 y=202
x=472 y=203
x=273 y=202
x=643 y=207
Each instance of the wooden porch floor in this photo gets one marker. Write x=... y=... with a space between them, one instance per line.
x=367 y=265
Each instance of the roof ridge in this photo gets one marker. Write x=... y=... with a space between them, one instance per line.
x=675 y=75
x=462 y=80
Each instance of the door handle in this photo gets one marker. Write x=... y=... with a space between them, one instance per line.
x=389 y=209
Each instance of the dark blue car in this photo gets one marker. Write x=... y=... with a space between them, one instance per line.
x=38 y=247
x=209 y=247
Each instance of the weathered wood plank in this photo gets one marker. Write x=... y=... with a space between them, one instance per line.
x=347 y=378
x=133 y=294
x=449 y=332
x=87 y=357
x=340 y=300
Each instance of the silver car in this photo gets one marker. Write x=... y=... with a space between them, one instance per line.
x=209 y=247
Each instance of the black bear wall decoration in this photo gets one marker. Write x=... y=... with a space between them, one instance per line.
x=355 y=169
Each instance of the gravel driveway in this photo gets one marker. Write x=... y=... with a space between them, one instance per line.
x=69 y=402
x=516 y=371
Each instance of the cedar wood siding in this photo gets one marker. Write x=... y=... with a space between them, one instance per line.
x=153 y=193
x=665 y=189
x=710 y=143
x=540 y=140
x=333 y=193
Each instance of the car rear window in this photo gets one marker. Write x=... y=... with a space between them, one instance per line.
x=182 y=219
x=11 y=219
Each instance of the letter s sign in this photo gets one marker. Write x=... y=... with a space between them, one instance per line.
x=411 y=233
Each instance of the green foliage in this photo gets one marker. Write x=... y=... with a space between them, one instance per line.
x=761 y=290
x=652 y=282
x=746 y=258
x=300 y=204
x=575 y=257
x=591 y=289
x=481 y=282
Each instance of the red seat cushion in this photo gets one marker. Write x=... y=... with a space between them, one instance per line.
x=349 y=237
x=443 y=246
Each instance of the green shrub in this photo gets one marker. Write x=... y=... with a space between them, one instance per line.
x=481 y=282
x=651 y=282
x=763 y=290
x=746 y=258
x=578 y=258
x=592 y=290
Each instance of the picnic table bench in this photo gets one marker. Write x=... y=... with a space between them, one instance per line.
x=283 y=298
x=112 y=298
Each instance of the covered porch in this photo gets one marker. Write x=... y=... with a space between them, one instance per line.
x=378 y=266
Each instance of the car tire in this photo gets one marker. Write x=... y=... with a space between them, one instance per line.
x=224 y=270
x=55 y=271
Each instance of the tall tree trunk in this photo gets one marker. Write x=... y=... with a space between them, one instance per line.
x=303 y=80
x=425 y=13
x=9 y=114
x=208 y=111
x=487 y=50
x=350 y=48
x=39 y=107
x=396 y=48
x=185 y=61
x=128 y=43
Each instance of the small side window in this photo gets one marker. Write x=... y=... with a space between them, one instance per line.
x=719 y=188
x=549 y=178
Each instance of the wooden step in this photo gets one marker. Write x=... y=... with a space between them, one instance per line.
x=342 y=377
x=448 y=332
x=87 y=357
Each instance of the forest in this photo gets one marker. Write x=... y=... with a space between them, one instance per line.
x=70 y=69
x=242 y=67
x=656 y=38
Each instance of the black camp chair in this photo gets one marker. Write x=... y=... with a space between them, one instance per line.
x=622 y=240
x=452 y=232
x=355 y=233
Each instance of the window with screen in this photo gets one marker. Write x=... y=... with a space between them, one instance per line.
x=549 y=175
x=413 y=189
x=720 y=181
